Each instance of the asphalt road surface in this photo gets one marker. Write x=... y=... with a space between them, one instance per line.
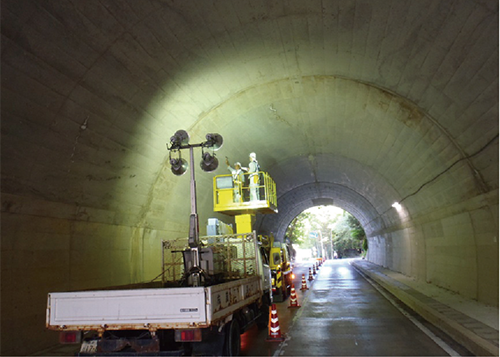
x=343 y=314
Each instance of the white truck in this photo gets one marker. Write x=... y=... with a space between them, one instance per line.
x=210 y=294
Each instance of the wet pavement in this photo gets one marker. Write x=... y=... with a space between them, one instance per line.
x=473 y=324
x=343 y=314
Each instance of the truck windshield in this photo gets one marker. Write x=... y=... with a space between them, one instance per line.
x=276 y=258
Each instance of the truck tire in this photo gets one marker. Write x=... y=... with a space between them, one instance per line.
x=281 y=294
x=285 y=290
x=263 y=320
x=232 y=343
x=289 y=285
x=278 y=296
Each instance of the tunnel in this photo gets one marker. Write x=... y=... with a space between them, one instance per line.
x=357 y=104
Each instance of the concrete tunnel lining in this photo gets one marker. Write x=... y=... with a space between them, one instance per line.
x=343 y=100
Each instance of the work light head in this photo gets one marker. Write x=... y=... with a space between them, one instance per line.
x=208 y=162
x=180 y=138
x=179 y=166
x=214 y=141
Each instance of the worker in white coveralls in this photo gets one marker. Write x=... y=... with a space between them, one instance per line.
x=238 y=179
x=253 y=171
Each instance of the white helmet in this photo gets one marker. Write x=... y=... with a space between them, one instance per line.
x=253 y=155
x=237 y=164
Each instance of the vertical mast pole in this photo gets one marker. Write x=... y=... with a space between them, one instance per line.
x=194 y=228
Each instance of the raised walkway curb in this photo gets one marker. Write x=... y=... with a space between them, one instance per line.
x=480 y=339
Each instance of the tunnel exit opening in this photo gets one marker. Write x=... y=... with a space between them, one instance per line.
x=326 y=231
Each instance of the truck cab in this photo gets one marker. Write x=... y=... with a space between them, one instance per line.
x=281 y=269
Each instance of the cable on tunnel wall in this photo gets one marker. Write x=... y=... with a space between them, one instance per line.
x=440 y=174
x=451 y=166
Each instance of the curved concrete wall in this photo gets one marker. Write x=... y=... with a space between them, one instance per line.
x=357 y=103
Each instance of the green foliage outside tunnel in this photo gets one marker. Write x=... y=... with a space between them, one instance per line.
x=328 y=229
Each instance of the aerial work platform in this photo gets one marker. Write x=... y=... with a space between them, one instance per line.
x=233 y=197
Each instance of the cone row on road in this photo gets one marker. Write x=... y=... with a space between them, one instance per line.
x=293 y=298
x=304 y=283
x=274 y=326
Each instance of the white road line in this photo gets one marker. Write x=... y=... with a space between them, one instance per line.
x=417 y=323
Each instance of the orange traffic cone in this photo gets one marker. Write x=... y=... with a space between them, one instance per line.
x=317 y=265
x=293 y=298
x=304 y=284
x=314 y=269
x=310 y=275
x=274 y=326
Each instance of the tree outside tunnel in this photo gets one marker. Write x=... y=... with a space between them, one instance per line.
x=328 y=231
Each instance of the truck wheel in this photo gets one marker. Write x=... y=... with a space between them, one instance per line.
x=263 y=321
x=232 y=339
x=285 y=291
x=278 y=296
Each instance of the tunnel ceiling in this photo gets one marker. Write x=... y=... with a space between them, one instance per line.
x=358 y=103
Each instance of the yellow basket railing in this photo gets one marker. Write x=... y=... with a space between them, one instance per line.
x=257 y=192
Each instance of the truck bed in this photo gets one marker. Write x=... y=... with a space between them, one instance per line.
x=164 y=308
